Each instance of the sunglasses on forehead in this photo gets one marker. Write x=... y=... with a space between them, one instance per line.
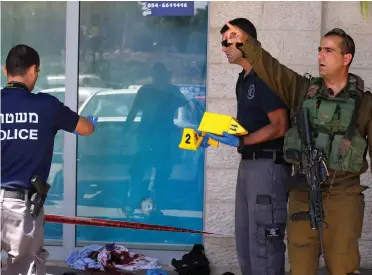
x=225 y=44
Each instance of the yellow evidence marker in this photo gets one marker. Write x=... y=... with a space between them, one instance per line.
x=216 y=124
x=191 y=140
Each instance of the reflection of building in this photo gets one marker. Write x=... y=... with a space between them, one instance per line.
x=123 y=57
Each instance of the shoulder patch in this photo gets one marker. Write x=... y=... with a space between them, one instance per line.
x=251 y=91
x=312 y=90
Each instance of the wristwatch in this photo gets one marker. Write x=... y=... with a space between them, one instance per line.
x=241 y=143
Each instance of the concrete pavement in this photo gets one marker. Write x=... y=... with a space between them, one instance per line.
x=53 y=270
x=62 y=268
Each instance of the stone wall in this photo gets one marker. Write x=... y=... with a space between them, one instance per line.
x=291 y=32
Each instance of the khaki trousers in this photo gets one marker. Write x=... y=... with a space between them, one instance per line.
x=22 y=238
x=344 y=211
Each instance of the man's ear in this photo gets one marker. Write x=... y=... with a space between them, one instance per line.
x=32 y=71
x=347 y=59
x=5 y=71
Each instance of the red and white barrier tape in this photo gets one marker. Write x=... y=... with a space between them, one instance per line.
x=120 y=224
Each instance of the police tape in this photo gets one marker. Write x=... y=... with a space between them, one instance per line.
x=120 y=224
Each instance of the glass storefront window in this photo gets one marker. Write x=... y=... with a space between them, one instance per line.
x=42 y=25
x=144 y=77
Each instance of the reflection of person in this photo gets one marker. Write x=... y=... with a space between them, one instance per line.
x=158 y=103
x=341 y=116
x=29 y=123
x=261 y=191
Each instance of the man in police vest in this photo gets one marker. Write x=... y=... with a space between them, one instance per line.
x=341 y=116
x=261 y=190
x=29 y=123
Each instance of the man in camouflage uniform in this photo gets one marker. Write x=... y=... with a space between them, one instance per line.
x=339 y=104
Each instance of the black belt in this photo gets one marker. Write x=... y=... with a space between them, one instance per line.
x=17 y=194
x=274 y=155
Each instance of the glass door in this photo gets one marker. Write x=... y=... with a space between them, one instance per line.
x=144 y=75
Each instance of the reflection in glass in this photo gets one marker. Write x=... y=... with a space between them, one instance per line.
x=131 y=169
x=41 y=25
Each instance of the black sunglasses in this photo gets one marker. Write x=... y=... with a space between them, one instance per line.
x=342 y=33
x=225 y=44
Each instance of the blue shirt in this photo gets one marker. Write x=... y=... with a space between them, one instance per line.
x=29 y=123
x=255 y=101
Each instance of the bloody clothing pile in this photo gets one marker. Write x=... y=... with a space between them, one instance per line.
x=110 y=257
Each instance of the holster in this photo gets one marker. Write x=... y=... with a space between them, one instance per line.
x=38 y=198
x=37 y=203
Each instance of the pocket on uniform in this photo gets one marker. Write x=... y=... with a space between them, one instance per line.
x=354 y=157
x=263 y=210
x=325 y=112
x=334 y=160
x=15 y=206
x=299 y=233
x=353 y=160
x=280 y=213
x=292 y=146
x=346 y=112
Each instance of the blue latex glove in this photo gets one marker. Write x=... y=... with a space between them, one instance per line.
x=204 y=144
x=156 y=272
x=227 y=139
x=92 y=119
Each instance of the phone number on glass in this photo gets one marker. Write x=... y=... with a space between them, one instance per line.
x=167 y=5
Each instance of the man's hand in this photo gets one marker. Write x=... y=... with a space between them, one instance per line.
x=93 y=120
x=204 y=144
x=234 y=34
x=227 y=139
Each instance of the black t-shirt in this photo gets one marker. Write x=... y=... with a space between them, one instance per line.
x=255 y=101
x=29 y=123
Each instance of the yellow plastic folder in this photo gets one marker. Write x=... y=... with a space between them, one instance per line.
x=216 y=124
x=211 y=123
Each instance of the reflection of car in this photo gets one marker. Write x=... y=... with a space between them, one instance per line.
x=88 y=85
x=85 y=80
x=84 y=93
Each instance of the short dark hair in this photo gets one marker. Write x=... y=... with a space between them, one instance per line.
x=348 y=45
x=20 y=58
x=244 y=24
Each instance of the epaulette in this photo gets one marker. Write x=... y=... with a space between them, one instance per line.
x=367 y=90
x=358 y=81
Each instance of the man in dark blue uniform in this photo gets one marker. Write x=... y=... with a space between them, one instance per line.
x=29 y=123
x=261 y=192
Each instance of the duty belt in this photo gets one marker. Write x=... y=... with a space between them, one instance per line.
x=17 y=194
x=274 y=155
